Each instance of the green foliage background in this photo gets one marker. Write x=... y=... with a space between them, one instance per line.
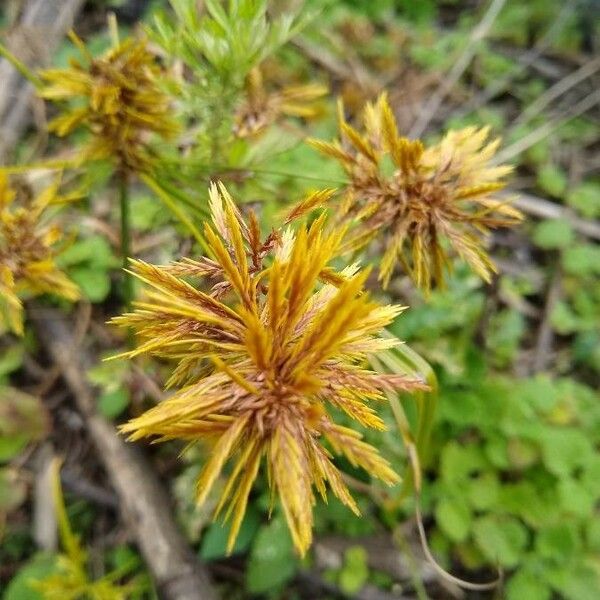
x=513 y=474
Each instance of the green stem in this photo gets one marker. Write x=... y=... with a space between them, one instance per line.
x=20 y=66
x=50 y=165
x=176 y=210
x=125 y=238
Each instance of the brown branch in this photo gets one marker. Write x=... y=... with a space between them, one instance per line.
x=538 y=207
x=545 y=335
x=142 y=500
x=457 y=70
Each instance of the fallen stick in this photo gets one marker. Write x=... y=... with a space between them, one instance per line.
x=32 y=39
x=144 y=505
x=544 y=209
x=457 y=70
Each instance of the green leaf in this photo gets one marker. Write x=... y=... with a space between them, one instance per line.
x=575 y=498
x=38 y=568
x=558 y=541
x=214 y=540
x=539 y=392
x=592 y=534
x=552 y=180
x=454 y=518
x=522 y=454
x=483 y=491
x=23 y=419
x=11 y=359
x=501 y=539
x=565 y=449
x=555 y=233
x=272 y=559
x=110 y=376
x=578 y=582
x=586 y=199
x=563 y=319
x=537 y=506
x=355 y=571
x=94 y=282
x=506 y=328
x=112 y=404
x=527 y=586
x=94 y=250
x=581 y=259
x=458 y=462
x=13 y=490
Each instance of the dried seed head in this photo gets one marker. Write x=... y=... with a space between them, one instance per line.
x=261 y=108
x=116 y=96
x=265 y=358
x=28 y=249
x=436 y=196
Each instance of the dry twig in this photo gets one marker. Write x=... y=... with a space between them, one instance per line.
x=456 y=72
x=33 y=39
x=558 y=89
x=545 y=209
x=143 y=502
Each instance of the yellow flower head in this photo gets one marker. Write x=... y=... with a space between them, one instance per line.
x=117 y=97
x=427 y=197
x=27 y=252
x=261 y=109
x=265 y=358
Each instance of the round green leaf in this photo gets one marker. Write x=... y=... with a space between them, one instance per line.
x=556 y=233
x=112 y=404
x=38 y=568
x=501 y=539
x=454 y=518
x=272 y=559
x=527 y=586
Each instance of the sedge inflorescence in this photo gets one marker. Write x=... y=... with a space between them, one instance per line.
x=28 y=249
x=116 y=96
x=274 y=346
x=262 y=108
x=423 y=199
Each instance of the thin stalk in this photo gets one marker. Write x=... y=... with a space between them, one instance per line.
x=20 y=66
x=50 y=165
x=125 y=238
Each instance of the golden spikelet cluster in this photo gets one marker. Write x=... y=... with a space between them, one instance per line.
x=266 y=354
x=117 y=98
x=261 y=108
x=28 y=250
x=424 y=199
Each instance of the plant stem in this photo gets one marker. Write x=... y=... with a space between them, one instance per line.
x=20 y=66
x=125 y=237
x=176 y=210
x=50 y=165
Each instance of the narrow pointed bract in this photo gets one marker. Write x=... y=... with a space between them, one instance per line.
x=265 y=358
x=28 y=249
x=436 y=196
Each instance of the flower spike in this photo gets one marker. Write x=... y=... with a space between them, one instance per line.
x=436 y=196
x=264 y=360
